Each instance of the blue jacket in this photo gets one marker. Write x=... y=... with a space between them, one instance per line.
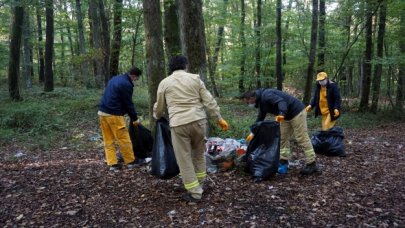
x=117 y=98
x=332 y=96
x=277 y=103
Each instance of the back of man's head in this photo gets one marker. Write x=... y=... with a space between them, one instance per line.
x=248 y=94
x=178 y=62
x=135 y=71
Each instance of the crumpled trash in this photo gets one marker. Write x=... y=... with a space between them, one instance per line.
x=221 y=153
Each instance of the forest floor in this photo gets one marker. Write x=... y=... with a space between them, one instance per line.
x=69 y=188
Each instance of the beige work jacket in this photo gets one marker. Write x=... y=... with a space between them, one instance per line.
x=186 y=99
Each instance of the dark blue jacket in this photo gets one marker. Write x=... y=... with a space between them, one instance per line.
x=332 y=96
x=117 y=98
x=277 y=103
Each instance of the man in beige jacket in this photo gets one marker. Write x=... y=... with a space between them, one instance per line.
x=186 y=99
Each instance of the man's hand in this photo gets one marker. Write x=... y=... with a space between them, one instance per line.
x=308 y=108
x=250 y=137
x=223 y=124
x=279 y=118
x=336 y=112
x=136 y=123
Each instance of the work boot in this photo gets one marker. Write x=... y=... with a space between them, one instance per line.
x=283 y=166
x=309 y=169
x=115 y=168
x=136 y=163
x=187 y=197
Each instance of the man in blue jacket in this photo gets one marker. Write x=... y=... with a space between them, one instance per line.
x=291 y=114
x=326 y=101
x=115 y=103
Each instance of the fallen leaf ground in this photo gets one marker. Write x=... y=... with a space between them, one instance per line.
x=74 y=189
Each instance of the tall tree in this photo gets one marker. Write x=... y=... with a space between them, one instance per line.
x=116 y=42
x=154 y=48
x=27 y=51
x=401 y=76
x=192 y=34
x=285 y=38
x=321 y=42
x=41 y=60
x=213 y=59
x=171 y=29
x=49 y=33
x=243 y=46
x=380 y=51
x=258 y=26
x=80 y=30
x=279 y=74
x=368 y=54
x=105 y=40
x=312 y=52
x=15 y=45
x=95 y=33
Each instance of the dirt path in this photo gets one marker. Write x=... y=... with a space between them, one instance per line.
x=70 y=188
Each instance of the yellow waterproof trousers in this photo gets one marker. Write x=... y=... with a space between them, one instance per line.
x=114 y=129
x=296 y=127
x=189 y=146
x=327 y=123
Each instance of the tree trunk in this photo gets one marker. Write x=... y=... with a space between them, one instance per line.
x=213 y=60
x=48 y=86
x=134 y=39
x=14 y=57
x=69 y=33
x=41 y=69
x=116 y=42
x=105 y=41
x=258 y=26
x=192 y=35
x=401 y=76
x=96 y=41
x=321 y=42
x=27 y=51
x=79 y=16
x=380 y=53
x=285 y=39
x=154 y=49
x=368 y=54
x=312 y=52
x=171 y=29
x=279 y=72
x=243 y=47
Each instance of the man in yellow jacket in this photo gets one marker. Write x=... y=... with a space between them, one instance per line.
x=185 y=97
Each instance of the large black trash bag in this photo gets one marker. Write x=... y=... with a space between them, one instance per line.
x=142 y=141
x=263 y=152
x=329 y=143
x=164 y=163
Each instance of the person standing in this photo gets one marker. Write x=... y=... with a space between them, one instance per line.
x=115 y=103
x=326 y=101
x=185 y=97
x=291 y=114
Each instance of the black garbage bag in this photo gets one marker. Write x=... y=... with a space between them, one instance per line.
x=263 y=152
x=329 y=143
x=164 y=163
x=142 y=141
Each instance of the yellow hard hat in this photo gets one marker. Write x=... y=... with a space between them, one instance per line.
x=321 y=76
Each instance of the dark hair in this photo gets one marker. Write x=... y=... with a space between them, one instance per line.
x=135 y=71
x=248 y=94
x=178 y=62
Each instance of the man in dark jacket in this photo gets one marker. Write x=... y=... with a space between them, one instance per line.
x=115 y=103
x=326 y=101
x=291 y=114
